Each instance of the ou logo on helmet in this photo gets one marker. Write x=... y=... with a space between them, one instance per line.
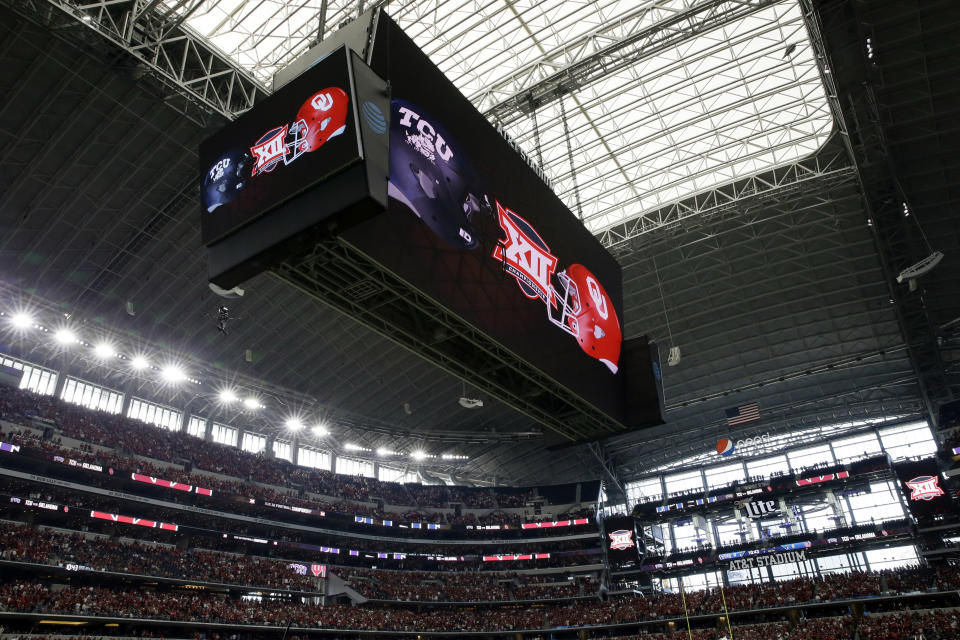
x=322 y=102
x=598 y=298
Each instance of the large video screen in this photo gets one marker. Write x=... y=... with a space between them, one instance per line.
x=286 y=144
x=474 y=227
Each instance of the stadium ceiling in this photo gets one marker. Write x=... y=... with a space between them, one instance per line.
x=628 y=106
x=695 y=138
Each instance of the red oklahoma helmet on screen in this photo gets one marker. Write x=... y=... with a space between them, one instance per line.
x=322 y=116
x=589 y=316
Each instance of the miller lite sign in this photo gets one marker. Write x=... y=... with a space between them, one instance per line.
x=759 y=508
x=924 y=488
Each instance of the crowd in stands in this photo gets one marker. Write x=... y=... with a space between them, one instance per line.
x=35 y=597
x=26 y=543
x=929 y=625
x=565 y=552
x=470 y=586
x=126 y=436
x=836 y=628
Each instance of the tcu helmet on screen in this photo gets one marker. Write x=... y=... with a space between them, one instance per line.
x=585 y=310
x=225 y=178
x=322 y=116
x=428 y=176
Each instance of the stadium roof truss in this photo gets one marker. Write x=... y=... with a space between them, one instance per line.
x=628 y=106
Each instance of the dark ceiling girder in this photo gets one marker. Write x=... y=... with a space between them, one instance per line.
x=839 y=38
x=400 y=313
x=681 y=26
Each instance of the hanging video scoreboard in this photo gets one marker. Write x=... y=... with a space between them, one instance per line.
x=410 y=174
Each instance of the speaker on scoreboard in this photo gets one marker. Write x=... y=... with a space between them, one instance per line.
x=640 y=359
x=949 y=415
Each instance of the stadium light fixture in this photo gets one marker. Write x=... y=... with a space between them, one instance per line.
x=383 y=451
x=21 y=320
x=65 y=336
x=139 y=363
x=418 y=455
x=173 y=373
x=252 y=403
x=294 y=424
x=104 y=350
x=227 y=396
x=320 y=431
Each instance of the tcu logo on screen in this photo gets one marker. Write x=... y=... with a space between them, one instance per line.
x=924 y=488
x=759 y=508
x=427 y=141
x=620 y=539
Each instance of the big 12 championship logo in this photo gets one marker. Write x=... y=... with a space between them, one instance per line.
x=924 y=488
x=621 y=539
x=578 y=304
x=321 y=117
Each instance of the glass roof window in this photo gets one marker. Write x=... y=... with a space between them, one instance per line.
x=694 y=94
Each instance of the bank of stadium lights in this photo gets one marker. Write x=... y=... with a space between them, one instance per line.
x=294 y=424
x=172 y=373
x=104 y=350
x=22 y=320
x=453 y=456
x=356 y=447
x=252 y=403
x=65 y=337
x=320 y=431
x=227 y=396
x=384 y=452
x=421 y=455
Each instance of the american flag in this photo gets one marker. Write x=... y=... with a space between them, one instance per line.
x=743 y=414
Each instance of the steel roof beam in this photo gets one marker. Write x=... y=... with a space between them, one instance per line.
x=199 y=80
x=588 y=59
x=838 y=35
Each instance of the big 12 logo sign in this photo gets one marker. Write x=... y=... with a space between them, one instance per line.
x=621 y=539
x=924 y=488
